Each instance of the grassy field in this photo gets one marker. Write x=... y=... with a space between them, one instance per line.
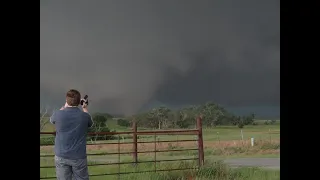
x=219 y=143
x=213 y=170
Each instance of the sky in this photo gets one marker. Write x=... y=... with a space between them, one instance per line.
x=129 y=54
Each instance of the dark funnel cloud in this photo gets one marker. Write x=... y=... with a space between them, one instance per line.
x=126 y=54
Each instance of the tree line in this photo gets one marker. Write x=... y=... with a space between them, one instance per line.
x=212 y=115
x=164 y=118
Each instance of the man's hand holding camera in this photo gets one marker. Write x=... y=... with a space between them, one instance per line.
x=84 y=103
x=84 y=107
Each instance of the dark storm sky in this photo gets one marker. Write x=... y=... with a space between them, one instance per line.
x=125 y=54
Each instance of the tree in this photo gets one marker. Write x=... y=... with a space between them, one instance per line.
x=247 y=120
x=211 y=113
x=160 y=115
x=244 y=120
x=174 y=119
x=227 y=119
x=142 y=119
x=43 y=119
x=96 y=129
x=188 y=116
x=99 y=120
x=240 y=122
x=106 y=115
x=123 y=122
x=99 y=125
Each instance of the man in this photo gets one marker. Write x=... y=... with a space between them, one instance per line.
x=70 y=142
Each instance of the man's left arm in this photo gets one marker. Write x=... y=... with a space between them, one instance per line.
x=53 y=116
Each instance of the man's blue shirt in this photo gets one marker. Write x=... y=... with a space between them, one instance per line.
x=71 y=131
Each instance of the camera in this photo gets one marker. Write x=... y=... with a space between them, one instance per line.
x=84 y=100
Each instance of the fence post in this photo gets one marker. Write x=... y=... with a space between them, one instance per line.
x=135 y=142
x=200 y=142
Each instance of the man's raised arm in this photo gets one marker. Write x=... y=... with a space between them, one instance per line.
x=90 y=121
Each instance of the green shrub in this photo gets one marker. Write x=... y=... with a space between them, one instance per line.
x=100 y=137
x=123 y=122
x=47 y=140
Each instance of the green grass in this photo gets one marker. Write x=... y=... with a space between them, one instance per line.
x=222 y=133
x=211 y=155
x=213 y=170
x=222 y=141
x=217 y=147
x=262 y=149
x=259 y=131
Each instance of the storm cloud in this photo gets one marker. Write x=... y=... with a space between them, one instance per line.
x=125 y=54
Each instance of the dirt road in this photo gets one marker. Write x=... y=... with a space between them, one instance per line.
x=272 y=163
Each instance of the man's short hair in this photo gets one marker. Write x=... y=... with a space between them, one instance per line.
x=73 y=97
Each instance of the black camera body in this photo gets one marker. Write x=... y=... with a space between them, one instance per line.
x=84 y=100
